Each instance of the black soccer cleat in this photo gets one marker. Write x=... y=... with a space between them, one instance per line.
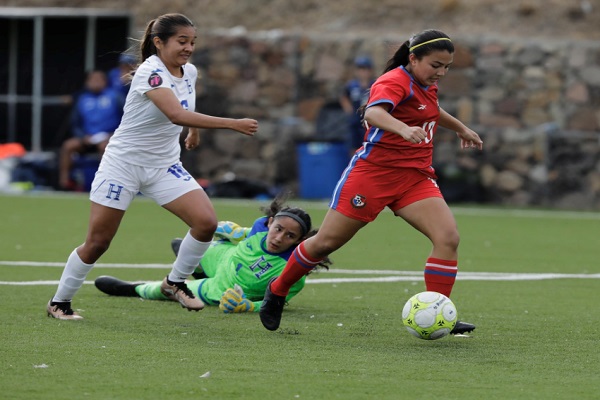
x=116 y=287
x=462 y=327
x=62 y=310
x=271 y=309
x=175 y=245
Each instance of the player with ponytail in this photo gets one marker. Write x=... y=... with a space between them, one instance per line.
x=143 y=156
x=392 y=169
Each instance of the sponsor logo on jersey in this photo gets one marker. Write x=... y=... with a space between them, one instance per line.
x=358 y=201
x=422 y=107
x=155 y=80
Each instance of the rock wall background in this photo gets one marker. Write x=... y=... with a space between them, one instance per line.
x=536 y=103
x=526 y=77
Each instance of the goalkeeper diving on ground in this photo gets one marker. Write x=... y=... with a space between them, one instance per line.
x=235 y=270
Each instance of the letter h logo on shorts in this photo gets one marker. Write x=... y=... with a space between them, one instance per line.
x=116 y=192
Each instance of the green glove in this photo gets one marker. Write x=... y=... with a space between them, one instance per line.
x=234 y=300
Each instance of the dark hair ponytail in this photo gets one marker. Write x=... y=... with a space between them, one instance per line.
x=399 y=58
x=147 y=47
x=420 y=44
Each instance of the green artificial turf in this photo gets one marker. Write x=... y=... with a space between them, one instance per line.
x=535 y=339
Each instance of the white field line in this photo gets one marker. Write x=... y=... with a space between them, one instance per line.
x=391 y=276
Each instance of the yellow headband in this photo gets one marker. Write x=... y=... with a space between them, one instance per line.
x=427 y=42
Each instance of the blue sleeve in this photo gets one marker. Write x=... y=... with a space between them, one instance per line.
x=260 y=225
x=76 y=123
x=114 y=78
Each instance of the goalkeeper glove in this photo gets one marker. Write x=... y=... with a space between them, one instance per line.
x=235 y=301
x=227 y=230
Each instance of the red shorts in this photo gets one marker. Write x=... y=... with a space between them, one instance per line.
x=365 y=189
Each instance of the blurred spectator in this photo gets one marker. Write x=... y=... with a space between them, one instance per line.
x=355 y=94
x=119 y=77
x=97 y=113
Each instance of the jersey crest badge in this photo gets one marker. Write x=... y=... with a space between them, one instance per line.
x=358 y=201
x=155 y=80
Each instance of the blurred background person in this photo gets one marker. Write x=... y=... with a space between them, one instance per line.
x=97 y=112
x=119 y=78
x=354 y=95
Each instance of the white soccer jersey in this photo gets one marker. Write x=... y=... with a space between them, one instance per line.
x=145 y=136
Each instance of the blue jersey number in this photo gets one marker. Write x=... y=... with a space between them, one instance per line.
x=179 y=172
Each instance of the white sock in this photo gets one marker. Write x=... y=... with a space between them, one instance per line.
x=72 y=278
x=188 y=258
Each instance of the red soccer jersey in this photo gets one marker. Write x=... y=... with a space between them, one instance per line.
x=411 y=103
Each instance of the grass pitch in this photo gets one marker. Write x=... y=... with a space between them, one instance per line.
x=535 y=338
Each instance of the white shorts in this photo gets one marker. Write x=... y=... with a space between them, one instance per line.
x=116 y=183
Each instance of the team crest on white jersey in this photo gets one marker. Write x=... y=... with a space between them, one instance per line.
x=155 y=80
x=358 y=201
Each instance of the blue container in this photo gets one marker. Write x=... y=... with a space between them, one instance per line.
x=320 y=166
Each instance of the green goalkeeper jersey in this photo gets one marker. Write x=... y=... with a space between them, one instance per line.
x=247 y=264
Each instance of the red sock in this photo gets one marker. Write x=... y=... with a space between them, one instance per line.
x=440 y=275
x=299 y=264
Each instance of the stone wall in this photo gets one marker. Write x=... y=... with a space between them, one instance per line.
x=536 y=104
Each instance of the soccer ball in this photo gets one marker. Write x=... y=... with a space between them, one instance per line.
x=429 y=315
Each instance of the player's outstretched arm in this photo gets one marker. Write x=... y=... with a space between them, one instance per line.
x=167 y=103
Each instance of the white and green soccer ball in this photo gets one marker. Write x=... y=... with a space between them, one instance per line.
x=429 y=315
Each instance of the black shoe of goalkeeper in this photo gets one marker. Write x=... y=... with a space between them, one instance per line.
x=116 y=287
x=271 y=309
x=462 y=327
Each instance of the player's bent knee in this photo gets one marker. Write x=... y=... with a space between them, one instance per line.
x=97 y=246
x=449 y=239
x=71 y=145
x=323 y=247
x=204 y=230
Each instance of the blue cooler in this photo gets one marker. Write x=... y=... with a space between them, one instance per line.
x=320 y=166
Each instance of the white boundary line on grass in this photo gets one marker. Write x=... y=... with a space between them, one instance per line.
x=391 y=275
